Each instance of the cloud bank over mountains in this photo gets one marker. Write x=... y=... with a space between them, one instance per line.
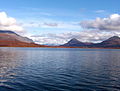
x=85 y=36
x=95 y=30
x=92 y=31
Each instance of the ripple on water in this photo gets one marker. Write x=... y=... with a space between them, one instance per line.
x=26 y=69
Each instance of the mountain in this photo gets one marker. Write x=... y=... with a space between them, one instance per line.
x=11 y=39
x=10 y=35
x=112 y=42
x=76 y=43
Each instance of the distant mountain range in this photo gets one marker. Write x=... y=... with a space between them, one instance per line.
x=113 y=42
x=11 y=39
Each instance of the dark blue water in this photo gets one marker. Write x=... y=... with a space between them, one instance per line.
x=59 y=69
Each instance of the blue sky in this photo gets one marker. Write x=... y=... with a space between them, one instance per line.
x=57 y=17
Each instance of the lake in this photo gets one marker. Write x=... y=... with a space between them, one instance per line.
x=59 y=69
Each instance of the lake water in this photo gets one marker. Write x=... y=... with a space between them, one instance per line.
x=59 y=69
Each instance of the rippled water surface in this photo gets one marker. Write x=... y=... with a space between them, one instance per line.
x=59 y=69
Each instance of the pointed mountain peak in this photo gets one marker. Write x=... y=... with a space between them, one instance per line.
x=74 y=40
x=74 y=43
x=114 y=37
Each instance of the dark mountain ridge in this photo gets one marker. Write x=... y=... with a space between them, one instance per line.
x=7 y=31
x=109 y=43
x=76 y=43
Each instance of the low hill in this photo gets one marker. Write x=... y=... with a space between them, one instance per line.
x=11 y=39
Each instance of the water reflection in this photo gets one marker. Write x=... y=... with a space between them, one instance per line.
x=9 y=60
x=48 y=69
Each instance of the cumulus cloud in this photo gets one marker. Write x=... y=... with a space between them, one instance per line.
x=9 y=23
x=111 y=23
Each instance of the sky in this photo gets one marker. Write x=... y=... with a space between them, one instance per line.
x=57 y=21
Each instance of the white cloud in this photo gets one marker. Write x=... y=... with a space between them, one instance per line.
x=53 y=24
x=45 y=13
x=100 y=11
x=111 y=23
x=9 y=23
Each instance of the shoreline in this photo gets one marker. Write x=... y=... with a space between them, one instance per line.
x=59 y=47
